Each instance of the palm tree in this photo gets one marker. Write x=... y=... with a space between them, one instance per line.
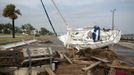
x=12 y=13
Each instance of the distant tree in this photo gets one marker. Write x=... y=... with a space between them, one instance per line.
x=7 y=28
x=18 y=29
x=1 y=28
x=27 y=28
x=12 y=13
x=44 y=31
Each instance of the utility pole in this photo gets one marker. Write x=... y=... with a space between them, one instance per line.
x=113 y=11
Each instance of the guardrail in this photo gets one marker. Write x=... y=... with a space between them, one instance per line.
x=127 y=37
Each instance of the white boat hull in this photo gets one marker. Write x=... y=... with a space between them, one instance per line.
x=83 y=38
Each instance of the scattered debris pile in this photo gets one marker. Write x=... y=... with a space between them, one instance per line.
x=72 y=69
x=70 y=62
x=93 y=62
x=101 y=53
x=11 y=58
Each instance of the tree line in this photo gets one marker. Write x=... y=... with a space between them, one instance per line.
x=26 y=29
x=12 y=13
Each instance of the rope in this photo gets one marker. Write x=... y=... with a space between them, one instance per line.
x=60 y=13
x=48 y=17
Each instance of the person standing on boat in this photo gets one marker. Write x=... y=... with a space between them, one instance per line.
x=96 y=33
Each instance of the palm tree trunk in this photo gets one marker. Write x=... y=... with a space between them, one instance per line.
x=13 y=29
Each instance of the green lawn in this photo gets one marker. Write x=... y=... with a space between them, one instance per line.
x=6 y=38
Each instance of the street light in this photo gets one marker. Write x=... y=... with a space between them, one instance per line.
x=113 y=18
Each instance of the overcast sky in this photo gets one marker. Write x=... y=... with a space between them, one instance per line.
x=78 y=13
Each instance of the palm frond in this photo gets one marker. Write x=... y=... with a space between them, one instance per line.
x=18 y=12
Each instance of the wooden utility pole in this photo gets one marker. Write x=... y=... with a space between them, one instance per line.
x=113 y=18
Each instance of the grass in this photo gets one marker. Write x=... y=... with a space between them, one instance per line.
x=8 y=38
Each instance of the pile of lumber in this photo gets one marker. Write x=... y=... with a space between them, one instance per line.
x=11 y=58
x=98 y=62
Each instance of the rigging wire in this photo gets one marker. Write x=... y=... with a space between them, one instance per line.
x=48 y=17
x=60 y=13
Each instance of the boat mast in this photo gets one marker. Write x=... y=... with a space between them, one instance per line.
x=48 y=18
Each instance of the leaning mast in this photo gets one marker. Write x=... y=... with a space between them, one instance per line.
x=48 y=18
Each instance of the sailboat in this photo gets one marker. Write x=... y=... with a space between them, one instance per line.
x=90 y=37
x=87 y=37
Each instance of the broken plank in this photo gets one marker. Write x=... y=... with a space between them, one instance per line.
x=82 y=62
x=91 y=66
x=69 y=60
x=122 y=67
x=81 y=58
x=49 y=71
x=100 y=59
x=118 y=67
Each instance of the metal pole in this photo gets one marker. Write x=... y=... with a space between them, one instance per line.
x=113 y=18
x=48 y=17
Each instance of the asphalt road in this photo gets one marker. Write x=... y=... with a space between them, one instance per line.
x=125 y=54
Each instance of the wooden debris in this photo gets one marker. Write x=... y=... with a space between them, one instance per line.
x=89 y=73
x=95 y=64
x=80 y=58
x=122 y=67
x=71 y=52
x=82 y=62
x=69 y=60
x=118 y=67
x=103 y=60
x=49 y=71
x=11 y=58
x=91 y=66
x=112 y=70
x=61 y=55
